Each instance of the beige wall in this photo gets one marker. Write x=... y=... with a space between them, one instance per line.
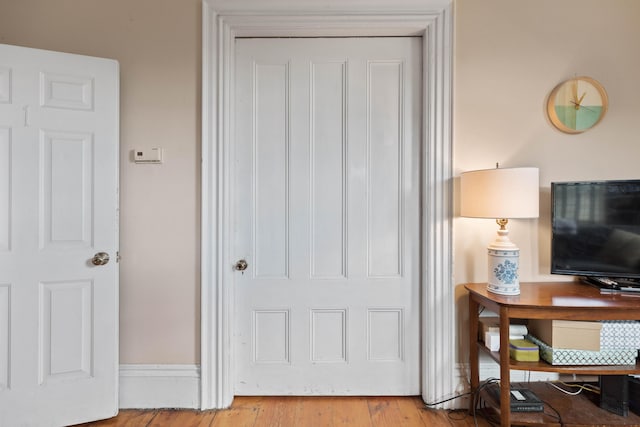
x=508 y=57
x=157 y=43
x=509 y=54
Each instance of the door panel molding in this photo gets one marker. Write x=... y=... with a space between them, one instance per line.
x=221 y=25
x=5 y=188
x=5 y=339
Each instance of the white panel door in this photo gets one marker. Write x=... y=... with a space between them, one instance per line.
x=326 y=215
x=58 y=207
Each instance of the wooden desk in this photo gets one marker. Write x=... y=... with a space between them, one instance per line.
x=548 y=300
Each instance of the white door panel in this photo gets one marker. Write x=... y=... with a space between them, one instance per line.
x=58 y=207
x=326 y=208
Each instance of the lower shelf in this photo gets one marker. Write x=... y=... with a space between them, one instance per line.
x=572 y=411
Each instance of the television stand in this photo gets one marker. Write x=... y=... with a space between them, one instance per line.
x=548 y=300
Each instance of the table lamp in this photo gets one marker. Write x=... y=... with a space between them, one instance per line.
x=501 y=194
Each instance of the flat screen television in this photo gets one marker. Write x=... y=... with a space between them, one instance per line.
x=595 y=228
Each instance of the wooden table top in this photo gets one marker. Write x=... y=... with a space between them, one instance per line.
x=558 y=295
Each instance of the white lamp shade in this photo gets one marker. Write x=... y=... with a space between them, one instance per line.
x=500 y=193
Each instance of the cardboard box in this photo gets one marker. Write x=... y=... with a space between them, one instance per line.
x=556 y=356
x=567 y=334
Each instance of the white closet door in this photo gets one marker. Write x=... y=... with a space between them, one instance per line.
x=326 y=215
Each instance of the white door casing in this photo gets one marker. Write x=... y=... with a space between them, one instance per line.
x=58 y=207
x=325 y=212
x=223 y=22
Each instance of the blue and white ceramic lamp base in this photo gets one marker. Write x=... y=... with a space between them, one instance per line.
x=503 y=271
x=503 y=265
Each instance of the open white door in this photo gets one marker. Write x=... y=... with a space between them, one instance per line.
x=58 y=208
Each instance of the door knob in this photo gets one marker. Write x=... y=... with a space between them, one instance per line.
x=101 y=258
x=241 y=265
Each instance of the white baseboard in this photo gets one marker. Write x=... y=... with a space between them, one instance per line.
x=178 y=386
x=159 y=386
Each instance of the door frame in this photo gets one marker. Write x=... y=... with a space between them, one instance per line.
x=223 y=21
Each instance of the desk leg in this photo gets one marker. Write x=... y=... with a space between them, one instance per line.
x=473 y=347
x=505 y=373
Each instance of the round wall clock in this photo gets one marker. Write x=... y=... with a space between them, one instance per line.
x=577 y=104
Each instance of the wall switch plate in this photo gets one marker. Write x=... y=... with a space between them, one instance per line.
x=148 y=155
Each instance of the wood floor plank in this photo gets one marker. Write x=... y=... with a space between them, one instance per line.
x=350 y=411
x=232 y=417
x=250 y=402
x=431 y=417
x=410 y=411
x=125 y=418
x=314 y=412
x=384 y=412
x=278 y=412
x=437 y=418
x=184 y=418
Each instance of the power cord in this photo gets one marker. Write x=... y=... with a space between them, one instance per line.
x=475 y=396
x=476 y=399
x=478 y=403
x=449 y=399
x=492 y=421
x=557 y=414
x=580 y=388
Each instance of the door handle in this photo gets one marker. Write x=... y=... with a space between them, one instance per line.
x=241 y=265
x=101 y=258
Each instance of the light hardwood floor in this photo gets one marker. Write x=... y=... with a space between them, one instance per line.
x=300 y=412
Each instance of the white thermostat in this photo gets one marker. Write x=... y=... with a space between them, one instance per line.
x=147 y=155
